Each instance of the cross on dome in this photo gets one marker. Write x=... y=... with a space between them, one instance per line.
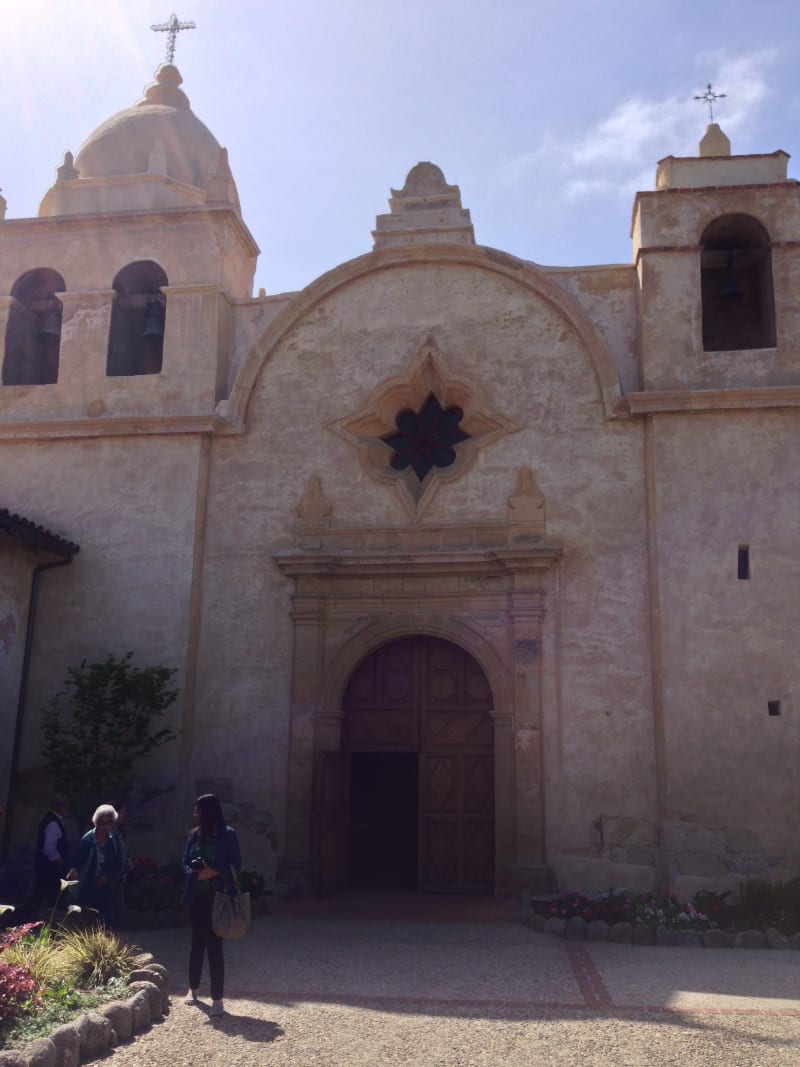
x=172 y=29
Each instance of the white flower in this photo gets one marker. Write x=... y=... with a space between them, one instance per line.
x=65 y=884
x=6 y=907
x=73 y=907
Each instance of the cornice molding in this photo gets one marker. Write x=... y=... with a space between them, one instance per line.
x=683 y=400
x=119 y=426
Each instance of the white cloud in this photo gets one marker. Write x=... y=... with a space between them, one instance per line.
x=617 y=155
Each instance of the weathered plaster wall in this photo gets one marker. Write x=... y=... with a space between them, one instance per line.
x=130 y=503
x=534 y=371
x=192 y=246
x=16 y=569
x=729 y=646
x=672 y=224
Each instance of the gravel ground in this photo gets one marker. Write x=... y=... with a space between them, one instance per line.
x=324 y=993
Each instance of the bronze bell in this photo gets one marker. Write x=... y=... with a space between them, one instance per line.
x=51 y=323
x=731 y=290
x=154 y=318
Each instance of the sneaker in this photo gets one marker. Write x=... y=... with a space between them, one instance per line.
x=191 y=997
x=217 y=1008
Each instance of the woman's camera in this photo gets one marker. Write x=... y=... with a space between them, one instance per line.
x=197 y=864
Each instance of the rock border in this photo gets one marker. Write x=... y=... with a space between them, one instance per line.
x=95 y=1032
x=625 y=933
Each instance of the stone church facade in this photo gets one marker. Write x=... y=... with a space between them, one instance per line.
x=478 y=575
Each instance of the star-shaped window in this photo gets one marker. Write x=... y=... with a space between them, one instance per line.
x=425 y=439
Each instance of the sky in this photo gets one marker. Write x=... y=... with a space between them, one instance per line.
x=549 y=114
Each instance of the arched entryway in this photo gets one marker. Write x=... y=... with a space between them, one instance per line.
x=408 y=802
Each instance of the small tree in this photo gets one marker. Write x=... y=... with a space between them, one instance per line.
x=101 y=725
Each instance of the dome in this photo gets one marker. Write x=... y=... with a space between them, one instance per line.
x=161 y=138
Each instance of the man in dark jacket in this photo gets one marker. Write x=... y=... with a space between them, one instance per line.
x=50 y=861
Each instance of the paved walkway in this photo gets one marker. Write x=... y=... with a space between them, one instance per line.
x=340 y=985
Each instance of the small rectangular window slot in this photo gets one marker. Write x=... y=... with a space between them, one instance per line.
x=744 y=562
x=773 y=707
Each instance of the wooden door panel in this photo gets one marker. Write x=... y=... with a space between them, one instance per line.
x=439 y=854
x=330 y=820
x=427 y=695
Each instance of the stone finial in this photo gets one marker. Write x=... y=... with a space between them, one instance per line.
x=714 y=142
x=426 y=209
x=526 y=504
x=313 y=512
x=3 y=205
x=166 y=89
x=67 y=172
x=219 y=183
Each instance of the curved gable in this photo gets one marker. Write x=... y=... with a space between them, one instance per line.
x=500 y=263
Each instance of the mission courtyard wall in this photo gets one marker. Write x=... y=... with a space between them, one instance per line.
x=728 y=645
x=131 y=501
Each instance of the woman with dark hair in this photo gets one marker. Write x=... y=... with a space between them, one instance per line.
x=210 y=853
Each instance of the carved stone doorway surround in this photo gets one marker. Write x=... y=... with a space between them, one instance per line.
x=479 y=586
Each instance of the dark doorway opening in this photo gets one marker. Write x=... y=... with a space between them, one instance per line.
x=383 y=820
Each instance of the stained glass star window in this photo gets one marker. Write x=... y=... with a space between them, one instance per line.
x=425 y=439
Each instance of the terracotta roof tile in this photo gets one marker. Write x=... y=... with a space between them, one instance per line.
x=36 y=538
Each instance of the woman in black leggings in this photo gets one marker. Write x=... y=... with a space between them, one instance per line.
x=210 y=853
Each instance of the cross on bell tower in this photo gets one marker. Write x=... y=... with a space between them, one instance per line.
x=709 y=97
x=172 y=29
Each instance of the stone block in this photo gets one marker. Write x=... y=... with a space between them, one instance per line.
x=742 y=840
x=576 y=929
x=643 y=934
x=41 y=1053
x=139 y=1005
x=150 y=973
x=94 y=1031
x=638 y=855
x=622 y=933
x=748 y=863
x=775 y=939
x=12 y=1058
x=154 y=993
x=679 y=835
x=717 y=939
x=701 y=863
x=555 y=926
x=120 y=1017
x=68 y=1045
x=626 y=831
x=664 y=936
x=750 y=939
x=688 y=939
x=597 y=930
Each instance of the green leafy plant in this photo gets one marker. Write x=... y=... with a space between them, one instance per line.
x=100 y=726
x=253 y=883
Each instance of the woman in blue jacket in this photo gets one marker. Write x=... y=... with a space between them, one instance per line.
x=211 y=851
x=97 y=865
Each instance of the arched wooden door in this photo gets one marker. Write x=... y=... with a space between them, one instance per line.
x=418 y=764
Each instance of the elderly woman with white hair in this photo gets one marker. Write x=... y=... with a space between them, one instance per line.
x=98 y=865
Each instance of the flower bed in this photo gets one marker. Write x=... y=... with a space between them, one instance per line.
x=51 y=973
x=764 y=914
